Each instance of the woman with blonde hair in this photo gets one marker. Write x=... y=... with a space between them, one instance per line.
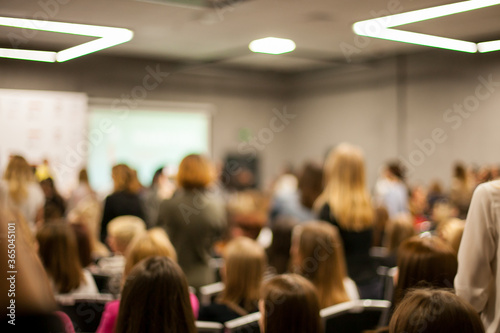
x=317 y=254
x=194 y=218
x=154 y=242
x=289 y=303
x=124 y=200
x=23 y=192
x=242 y=273
x=346 y=203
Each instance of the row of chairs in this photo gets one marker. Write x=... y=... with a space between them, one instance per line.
x=349 y=317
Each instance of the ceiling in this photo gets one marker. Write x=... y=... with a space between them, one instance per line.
x=220 y=33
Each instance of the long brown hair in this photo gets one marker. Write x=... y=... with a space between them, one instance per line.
x=427 y=310
x=59 y=255
x=155 y=298
x=18 y=176
x=345 y=191
x=245 y=262
x=427 y=260
x=289 y=303
x=318 y=254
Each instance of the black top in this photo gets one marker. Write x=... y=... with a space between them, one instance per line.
x=119 y=204
x=360 y=266
x=219 y=313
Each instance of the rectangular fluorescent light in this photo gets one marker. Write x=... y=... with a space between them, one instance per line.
x=272 y=45
x=107 y=37
x=33 y=55
x=381 y=27
x=488 y=46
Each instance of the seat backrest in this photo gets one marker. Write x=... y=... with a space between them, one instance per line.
x=84 y=311
x=355 y=316
x=209 y=327
x=208 y=292
x=245 y=324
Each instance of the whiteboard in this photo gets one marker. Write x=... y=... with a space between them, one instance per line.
x=45 y=125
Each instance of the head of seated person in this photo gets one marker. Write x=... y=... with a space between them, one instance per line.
x=244 y=264
x=317 y=254
x=424 y=261
x=122 y=230
x=141 y=308
x=289 y=303
x=434 y=311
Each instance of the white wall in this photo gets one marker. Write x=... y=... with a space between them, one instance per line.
x=241 y=100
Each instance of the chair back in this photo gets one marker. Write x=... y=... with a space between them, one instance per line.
x=355 y=316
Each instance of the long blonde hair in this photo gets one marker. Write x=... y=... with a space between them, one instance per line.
x=18 y=176
x=345 y=191
x=245 y=262
x=318 y=254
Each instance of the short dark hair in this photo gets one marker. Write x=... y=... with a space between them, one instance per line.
x=155 y=298
x=434 y=311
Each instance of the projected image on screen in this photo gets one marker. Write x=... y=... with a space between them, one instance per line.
x=145 y=140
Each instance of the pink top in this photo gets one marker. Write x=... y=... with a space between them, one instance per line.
x=110 y=314
x=68 y=324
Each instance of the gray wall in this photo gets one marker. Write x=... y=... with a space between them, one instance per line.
x=381 y=105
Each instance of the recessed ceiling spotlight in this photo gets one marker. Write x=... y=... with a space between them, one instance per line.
x=107 y=37
x=272 y=45
x=382 y=27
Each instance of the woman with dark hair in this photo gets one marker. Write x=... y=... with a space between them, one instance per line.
x=155 y=298
x=461 y=190
x=124 y=200
x=434 y=311
x=59 y=255
x=426 y=261
x=194 y=218
x=289 y=303
x=299 y=204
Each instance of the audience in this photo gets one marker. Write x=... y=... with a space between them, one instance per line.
x=194 y=218
x=57 y=247
x=289 y=303
x=242 y=273
x=318 y=255
x=434 y=311
x=346 y=204
x=124 y=200
x=325 y=254
x=155 y=298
